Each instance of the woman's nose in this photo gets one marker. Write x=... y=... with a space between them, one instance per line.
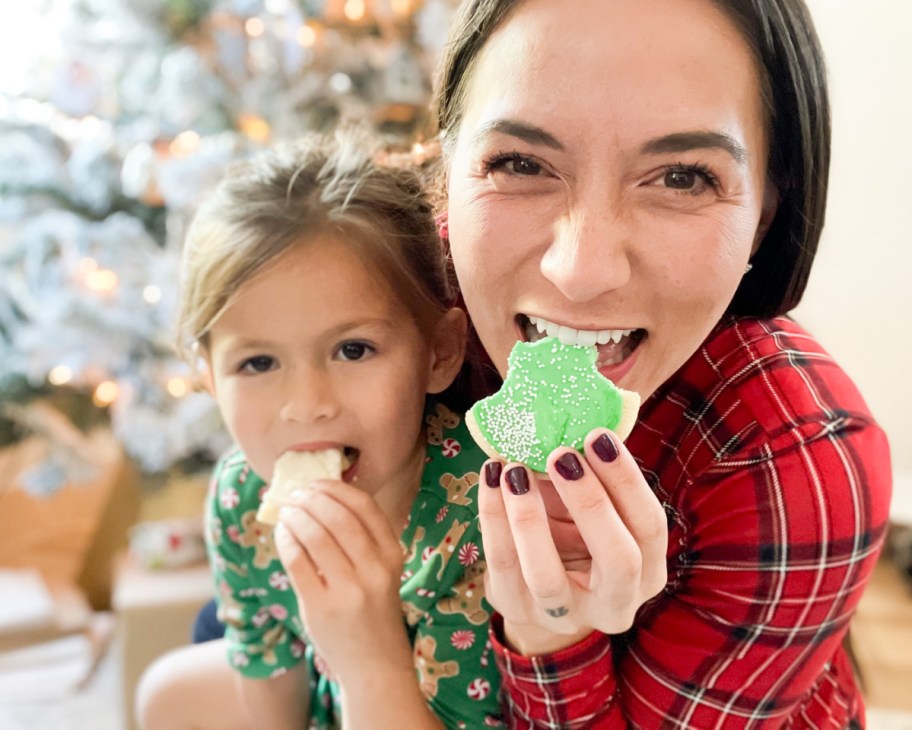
x=308 y=397
x=590 y=252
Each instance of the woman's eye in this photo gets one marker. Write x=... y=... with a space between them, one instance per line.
x=680 y=179
x=351 y=351
x=693 y=179
x=514 y=164
x=257 y=364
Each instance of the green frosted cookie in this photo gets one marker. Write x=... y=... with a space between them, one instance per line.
x=553 y=396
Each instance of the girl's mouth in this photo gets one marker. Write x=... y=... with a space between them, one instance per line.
x=614 y=346
x=349 y=463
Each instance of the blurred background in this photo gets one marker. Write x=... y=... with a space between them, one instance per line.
x=115 y=117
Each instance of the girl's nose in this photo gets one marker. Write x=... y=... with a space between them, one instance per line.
x=590 y=252
x=309 y=397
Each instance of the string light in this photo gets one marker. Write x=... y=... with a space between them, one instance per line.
x=254 y=27
x=152 y=294
x=105 y=393
x=102 y=281
x=401 y=7
x=60 y=375
x=185 y=143
x=254 y=127
x=178 y=387
x=307 y=36
x=354 y=10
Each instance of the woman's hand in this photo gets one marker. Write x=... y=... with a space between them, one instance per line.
x=578 y=553
x=345 y=565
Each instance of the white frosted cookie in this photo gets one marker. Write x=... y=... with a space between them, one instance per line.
x=296 y=470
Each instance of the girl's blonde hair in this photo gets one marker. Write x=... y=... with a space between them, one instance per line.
x=318 y=186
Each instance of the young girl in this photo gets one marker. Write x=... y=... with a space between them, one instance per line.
x=316 y=293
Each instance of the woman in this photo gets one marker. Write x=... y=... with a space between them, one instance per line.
x=658 y=169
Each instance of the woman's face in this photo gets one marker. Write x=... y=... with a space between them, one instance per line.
x=607 y=181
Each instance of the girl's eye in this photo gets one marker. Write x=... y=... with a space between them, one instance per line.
x=354 y=350
x=694 y=179
x=513 y=164
x=258 y=364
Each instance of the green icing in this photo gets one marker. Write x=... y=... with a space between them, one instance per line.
x=553 y=396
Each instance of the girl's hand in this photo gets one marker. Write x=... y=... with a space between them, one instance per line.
x=578 y=553
x=345 y=563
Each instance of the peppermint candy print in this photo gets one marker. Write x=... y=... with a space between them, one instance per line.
x=278 y=611
x=479 y=688
x=239 y=659
x=260 y=618
x=491 y=721
x=468 y=553
x=442 y=513
x=229 y=498
x=450 y=448
x=234 y=533
x=425 y=593
x=462 y=639
x=428 y=553
x=297 y=648
x=279 y=580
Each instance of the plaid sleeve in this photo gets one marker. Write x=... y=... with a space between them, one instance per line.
x=771 y=543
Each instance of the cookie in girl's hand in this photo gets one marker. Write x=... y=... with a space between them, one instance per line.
x=296 y=470
x=553 y=396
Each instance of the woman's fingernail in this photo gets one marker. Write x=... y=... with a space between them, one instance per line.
x=492 y=473
x=569 y=467
x=605 y=448
x=518 y=480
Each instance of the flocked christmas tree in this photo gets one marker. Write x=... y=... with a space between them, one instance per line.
x=110 y=132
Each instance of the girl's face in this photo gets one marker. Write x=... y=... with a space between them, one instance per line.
x=607 y=181
x=316 y=352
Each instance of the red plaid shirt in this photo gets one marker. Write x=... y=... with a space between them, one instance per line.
x=776 y=483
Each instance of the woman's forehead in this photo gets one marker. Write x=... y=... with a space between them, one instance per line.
x=609 y=61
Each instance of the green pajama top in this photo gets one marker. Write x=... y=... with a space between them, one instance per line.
x=444 y=611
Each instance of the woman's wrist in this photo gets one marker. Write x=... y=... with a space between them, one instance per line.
x=532 y=640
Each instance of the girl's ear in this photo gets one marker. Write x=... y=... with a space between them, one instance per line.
x=447 y=350
x=205 y=375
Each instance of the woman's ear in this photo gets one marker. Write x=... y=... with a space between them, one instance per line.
x=447 y=350
x=767 y=214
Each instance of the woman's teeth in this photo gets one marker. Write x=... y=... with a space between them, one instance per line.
x=541 y=327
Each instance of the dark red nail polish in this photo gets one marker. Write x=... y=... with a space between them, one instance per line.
x=569 y=467
x=492 y=473
x=605 y=448
x=518 y=480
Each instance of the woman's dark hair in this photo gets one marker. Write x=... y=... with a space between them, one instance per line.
x=793 y=75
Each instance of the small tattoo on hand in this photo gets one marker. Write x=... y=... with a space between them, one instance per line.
x=557 y=612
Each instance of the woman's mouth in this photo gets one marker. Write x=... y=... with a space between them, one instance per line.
x=614 y=346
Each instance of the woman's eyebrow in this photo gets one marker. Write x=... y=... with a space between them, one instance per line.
x=526 y=132
x=686 y=141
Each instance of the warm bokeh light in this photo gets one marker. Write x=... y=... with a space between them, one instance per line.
x=185 y=143
x=307 y=36
x=254 y=27
x=103 y=281
x=355 y=10
x=87 y=264
x=105 y=394
x=254 y=127
x=152 y=294
x=178 y=387
x=401 y=7
x=60 y=375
